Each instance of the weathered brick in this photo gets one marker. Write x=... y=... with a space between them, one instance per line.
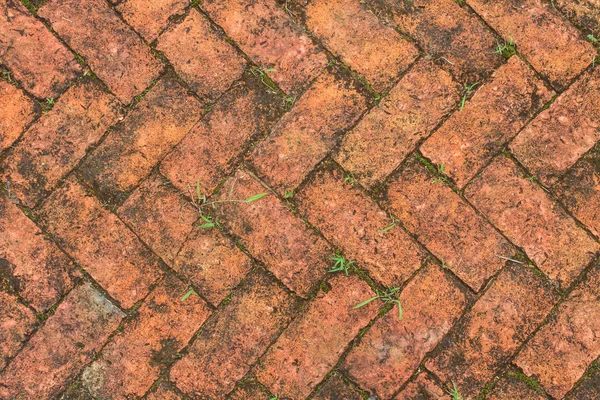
x=208 y=153
x=451 y=36
x=584 y=12
x=16 y=323
x=579 y=190
x=201 y=57
x=589 y=388
x=392 y=349
x=249 y=390
x=309 y=131
x=422 y=388
x=336 y=389
x=212 y=263
x=164 y=392
x=233 y=339
x=510 y=386
x=489 y=120
x=550 y=43
x=76 y=392
x=150 y=18
x=271 y=39
x=100 y=243
x=551 y=239
x=68 y=341
x=447 y=225
x=159 y=215
x=17 y=112
x=34 y=266
x=37 y=59
x=305 y=352
x=271 y=233
x=384 y=137
x=507 y=313
x=561 y=351
x=560 y=135
x=114 y=52
x=162 y=326
x=364 y=43
x=354 y=223
x=56 y=142
x=158 y=122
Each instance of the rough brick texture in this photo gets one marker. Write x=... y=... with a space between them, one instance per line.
x=16 y=323
x=422 y=388
x=150 y=18
x=18 y=111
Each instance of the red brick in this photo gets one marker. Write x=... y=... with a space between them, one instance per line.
x=354 y=223
x=68 y=341
x=561 y=351
x=392 y=349
x=114 y=52
x=550 y=43
x=589 y=388
x=270 y=232
x=37 y=59
x=230 y=342
x=507 y=313
x=160 y=329
x=560 y=135
x=208 y=153
x=447 y=225
x=16 y=323
x=56 y=142
x=212 y=263
x=268 y=36
x=40 y=272
x=336 y=389
x=552 y=239
x=489 y=120
x=422 y=388
x=150 y=18
x=160 y=216
x=17 y=113
x=510 y=387
x=250 y=390
x=100 y=243
x=385 y=136
x=305 y=352
x=579 y=190
x=451 y=36
x=309 y=131
x=157 y=123
x=365 y=44
x=164 y=392
x=586 y=13
x=201 y=57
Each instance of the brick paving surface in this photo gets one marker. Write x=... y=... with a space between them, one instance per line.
x=299 y=199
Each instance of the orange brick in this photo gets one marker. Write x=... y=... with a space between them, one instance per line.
x=392 y=349
x=160 y=216
x=37 y=59
x=493 y=329
x=100 y=242
x=162 y=326
x=385 y=136
x=163 y=392
x=156 y=124
x=560 y=135
x=271 y=233
x=364 y=43
x=308 y=132
x=422 y=388
x=150 y=18
x=40 y=272
x=233 y=339
x=447 y=225
x=16 y=323
x=354 y=223
x=492 y=117
x=67 y=342
x=452 y=36
x=552 y=45
x=208 y=153
x=17 y=112
x=336 y=389
x=201 y=57
x=56 y=142
x=114 y=52
x=250 y=390
x=511 y=387
x=560 y=352
x=586 y=13
x=266 y=34
x=551 y=239
x=589 y=388
x=311 y=346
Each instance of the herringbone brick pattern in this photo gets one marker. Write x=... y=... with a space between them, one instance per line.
x=299 y=199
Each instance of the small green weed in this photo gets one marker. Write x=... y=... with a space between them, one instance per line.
x=390 y=226
x=592 y=39
x=350 y=179
x=289 y=102
x=387 y=296
x=288 y=193
x=7 y=76
x=444 y=265
x=507 y=49
x=262 y=74
x=466 y=90
x=341 y=264
x=188 y=294
x=455 y=393
x=441 y=170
